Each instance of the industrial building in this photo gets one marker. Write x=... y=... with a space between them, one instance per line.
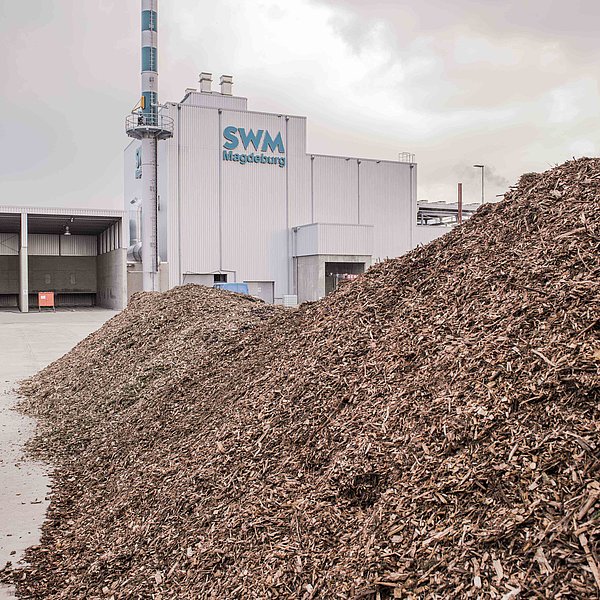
x=77 y=254
x=218 y=193
x=241 y=200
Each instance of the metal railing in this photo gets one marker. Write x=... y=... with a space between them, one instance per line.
x=139 y=125
x=406 y=157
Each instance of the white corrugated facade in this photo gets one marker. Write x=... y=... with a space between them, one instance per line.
x=255 y=222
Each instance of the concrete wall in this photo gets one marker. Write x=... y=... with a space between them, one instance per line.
x=265 y=290
x=200 y=279
x=163 y=276
x=62 y=274
x=112 y=279
x=135 y=280
x=9 y=274
x=310 y=278
x=103 y=275
x=310 y=273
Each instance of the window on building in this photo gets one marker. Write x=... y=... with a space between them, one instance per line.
x=220 y=278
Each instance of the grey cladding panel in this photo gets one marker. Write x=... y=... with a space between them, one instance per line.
x=335 y=190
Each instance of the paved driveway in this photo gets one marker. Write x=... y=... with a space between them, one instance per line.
x=29 y=342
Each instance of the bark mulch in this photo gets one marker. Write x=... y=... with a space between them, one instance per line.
x=429 y=430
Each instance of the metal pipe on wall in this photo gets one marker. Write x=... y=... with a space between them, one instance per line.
x=460 y=203
x=289 y=260
x=23 y=266
x=413 y=205
x=180 y=278
x=220 y=200
x=358 y=191
x=312 y=189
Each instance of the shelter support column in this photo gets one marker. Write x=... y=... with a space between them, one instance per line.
x=23 y=267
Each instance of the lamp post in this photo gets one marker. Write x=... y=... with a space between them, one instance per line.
x=482 y=167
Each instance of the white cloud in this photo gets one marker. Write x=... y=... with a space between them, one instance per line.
x=571 y=101
x=510 y=85
x=479 y=50
x=583 y=147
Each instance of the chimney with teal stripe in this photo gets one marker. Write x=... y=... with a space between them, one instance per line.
x=147 y=124
x=150 y=60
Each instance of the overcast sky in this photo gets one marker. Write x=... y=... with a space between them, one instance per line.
x=509 y=84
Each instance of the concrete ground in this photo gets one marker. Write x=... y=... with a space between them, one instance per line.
x=29 y=342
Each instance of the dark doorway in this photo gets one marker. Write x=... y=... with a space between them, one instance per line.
x=339 y=272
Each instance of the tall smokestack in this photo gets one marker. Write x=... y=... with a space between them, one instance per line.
x=149 y=143
x=150 y=59
x=146 y=124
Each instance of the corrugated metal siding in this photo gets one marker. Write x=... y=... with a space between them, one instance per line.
x=255 y=206
x=335 y=190
x=298 y=173
x=306 y=240
x=71 y=212
x=330 y=238
x=72 y=245
x=75 y=299
x=163 y=201
x=386 y=201
x=168 y=185
x=199 y=183
x=115 y=236
x=254 y=209
x=298 y=189
x=345 y=239
x=9 y=300
x=79 y=245
x=216 y=101
x=249 y=205
x=9 y=244
x=41 y=244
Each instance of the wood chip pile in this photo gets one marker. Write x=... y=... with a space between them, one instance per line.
x=429 y=430
x=132 y=358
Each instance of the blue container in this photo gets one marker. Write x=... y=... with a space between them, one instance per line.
x=238 y=288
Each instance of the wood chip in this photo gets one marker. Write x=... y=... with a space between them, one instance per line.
x=429 y=430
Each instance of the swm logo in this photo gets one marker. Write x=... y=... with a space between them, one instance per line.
x=261 y=140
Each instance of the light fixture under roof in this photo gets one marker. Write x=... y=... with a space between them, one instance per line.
x=67 y=232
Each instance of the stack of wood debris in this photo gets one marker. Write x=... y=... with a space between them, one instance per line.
x=429 y=430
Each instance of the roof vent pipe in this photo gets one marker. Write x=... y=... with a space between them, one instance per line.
x=205 y=82
x=226 y=85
